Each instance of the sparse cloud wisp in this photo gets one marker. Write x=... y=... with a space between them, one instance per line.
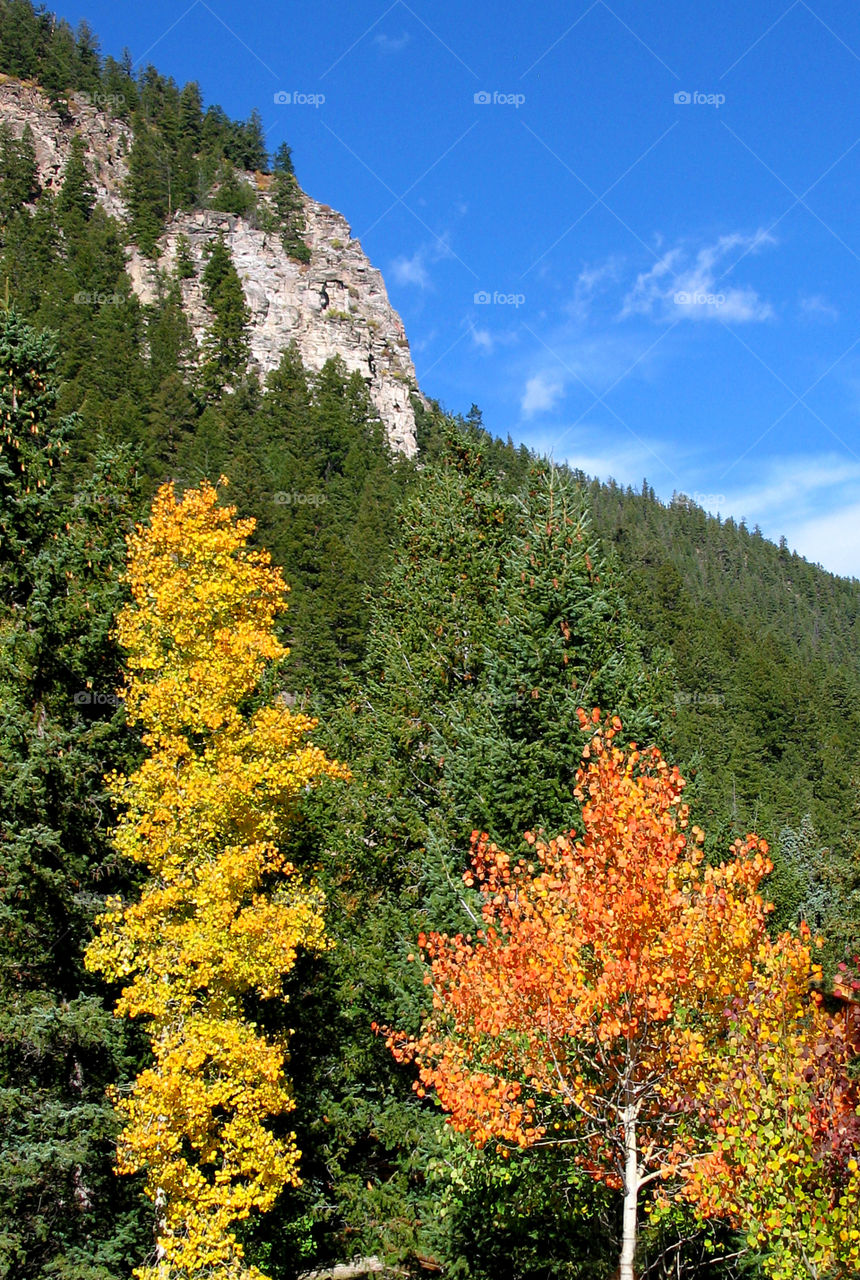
x=697 y=286
x=541 y=392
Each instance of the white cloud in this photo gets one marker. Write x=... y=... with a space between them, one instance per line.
x=832 y=540
x=488 y=341
x=812 y=499
x=607 y=451
x=391 y=44
x=411 y=270
x=653 y=286
x=680 y=286
x=818 y=308
x=541 y=392
x=625 y=464
x=794 y=485
x=414 y=270
x=483 y=338
x=588 y=366
x=591 y=281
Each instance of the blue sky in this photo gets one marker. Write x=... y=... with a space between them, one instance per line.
x=628 y=231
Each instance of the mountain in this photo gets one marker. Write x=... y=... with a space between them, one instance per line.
x=333 y=305
x=176 y=308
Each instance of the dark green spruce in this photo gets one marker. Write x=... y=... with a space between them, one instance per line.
x=62 y=1211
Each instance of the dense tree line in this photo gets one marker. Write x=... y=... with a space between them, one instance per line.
x=61 y=729
x=764 y=654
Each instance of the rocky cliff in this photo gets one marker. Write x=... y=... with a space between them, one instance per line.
x=334 y=305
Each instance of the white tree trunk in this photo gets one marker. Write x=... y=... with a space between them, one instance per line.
x=631 y=1191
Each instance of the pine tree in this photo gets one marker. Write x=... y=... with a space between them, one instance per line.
x=492 y=626
x=247 y=145
x=191 y=116
x=287 y=199
x=148 y=189
x=77 y=195
x=233 y=195
x=226 y=348
x=60 y=728
x=32 y=441
x=119 y=87
x=23 y=36
x=19 y=183
x=314 y=462
x=30 y=244
x=185 y=269
x=88 y=59
x=58 y=72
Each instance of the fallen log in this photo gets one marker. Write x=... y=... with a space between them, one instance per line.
x=356 y=1270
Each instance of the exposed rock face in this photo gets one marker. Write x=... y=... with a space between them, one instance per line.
x=335 y=305
x=108 y=140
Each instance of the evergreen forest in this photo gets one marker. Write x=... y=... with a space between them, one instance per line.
x=280 y=799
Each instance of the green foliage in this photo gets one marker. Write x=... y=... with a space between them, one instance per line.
x=65 y=264
x=529 y=1218
x=184 y=262
x=77 y=195
x=286 y=197
x=309 y=457
x=493 y=624
x=496 y=622
x=179 y=152
x=233 y=194
x=226 y=349
x=148 y=189
x=35 y=45
x=177 y=148
x=764 y=648
x=61 y=1209
x=18 y=175
x=26 y=39
x=31 y=440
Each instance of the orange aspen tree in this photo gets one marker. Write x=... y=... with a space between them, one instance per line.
x=588 y=1008
x=222 y=913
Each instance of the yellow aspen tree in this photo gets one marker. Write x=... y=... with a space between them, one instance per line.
x=221 y=913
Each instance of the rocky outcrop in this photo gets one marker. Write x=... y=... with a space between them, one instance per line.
x=334 y=305
x=108 y=140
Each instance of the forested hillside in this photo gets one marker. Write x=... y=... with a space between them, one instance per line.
x=448 y=617
x=764 y=650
